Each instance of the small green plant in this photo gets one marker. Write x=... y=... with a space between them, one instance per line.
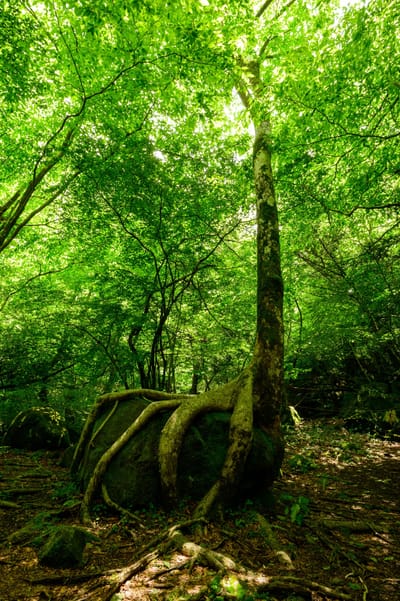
x=99 y=509
x=324 y=481
x=242 y=516
x=230 y=587
x=65 y=490
x=297 y=508
x=215 y=588
x=354 y=586
x=301 y=464
x=38 y=454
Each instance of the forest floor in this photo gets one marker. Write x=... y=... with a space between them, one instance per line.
x=335 y=532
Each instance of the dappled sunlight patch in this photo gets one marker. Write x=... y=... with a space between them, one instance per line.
x=335 y=528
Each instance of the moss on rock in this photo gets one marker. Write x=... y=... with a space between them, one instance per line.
x=132 y=478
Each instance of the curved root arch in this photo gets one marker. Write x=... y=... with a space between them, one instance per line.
x=107 y=457
x=174 y=431
x=236 y=396
x=107 y=399
x=240 y=439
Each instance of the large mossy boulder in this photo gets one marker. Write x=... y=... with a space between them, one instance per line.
x=64 y=547
x=132 y=478
x=37 y=428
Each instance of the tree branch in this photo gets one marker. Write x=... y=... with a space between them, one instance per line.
x=263 y=8
x=28 y=281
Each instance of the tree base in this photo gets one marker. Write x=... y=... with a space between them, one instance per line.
x=132 y=477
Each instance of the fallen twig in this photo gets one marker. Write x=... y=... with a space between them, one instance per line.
x=353 y=525
x=9 y=504
x=23 y=491
x=301 y=586
x=172 y=538
x=179 y=566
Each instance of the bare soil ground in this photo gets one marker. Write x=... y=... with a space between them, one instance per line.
x=335 y=532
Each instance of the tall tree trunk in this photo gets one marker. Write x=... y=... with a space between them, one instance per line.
x=255 y=397
x=267 y=363
x=268 y=352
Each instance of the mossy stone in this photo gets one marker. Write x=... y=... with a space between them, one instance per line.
x=132 y=478
x=64 y=547
x=37 y=428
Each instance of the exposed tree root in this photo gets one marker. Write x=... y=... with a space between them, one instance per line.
x=301 y=586
x=109 y=583
x=353 y=525
x=112 y=580
x=23 y=491
x=240 y=438
x=99 y=471
x=9 y=504
x=201 y=555
x=281 y=554
x=175 y=568
x=115 y=397
x=64 y=579
x=100 y=428
x=118 y=508
x=236 y=396
x=174 y=431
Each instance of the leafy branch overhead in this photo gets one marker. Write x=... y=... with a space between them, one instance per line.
x=199 y=240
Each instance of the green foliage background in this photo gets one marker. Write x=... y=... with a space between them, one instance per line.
x=132 y=261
